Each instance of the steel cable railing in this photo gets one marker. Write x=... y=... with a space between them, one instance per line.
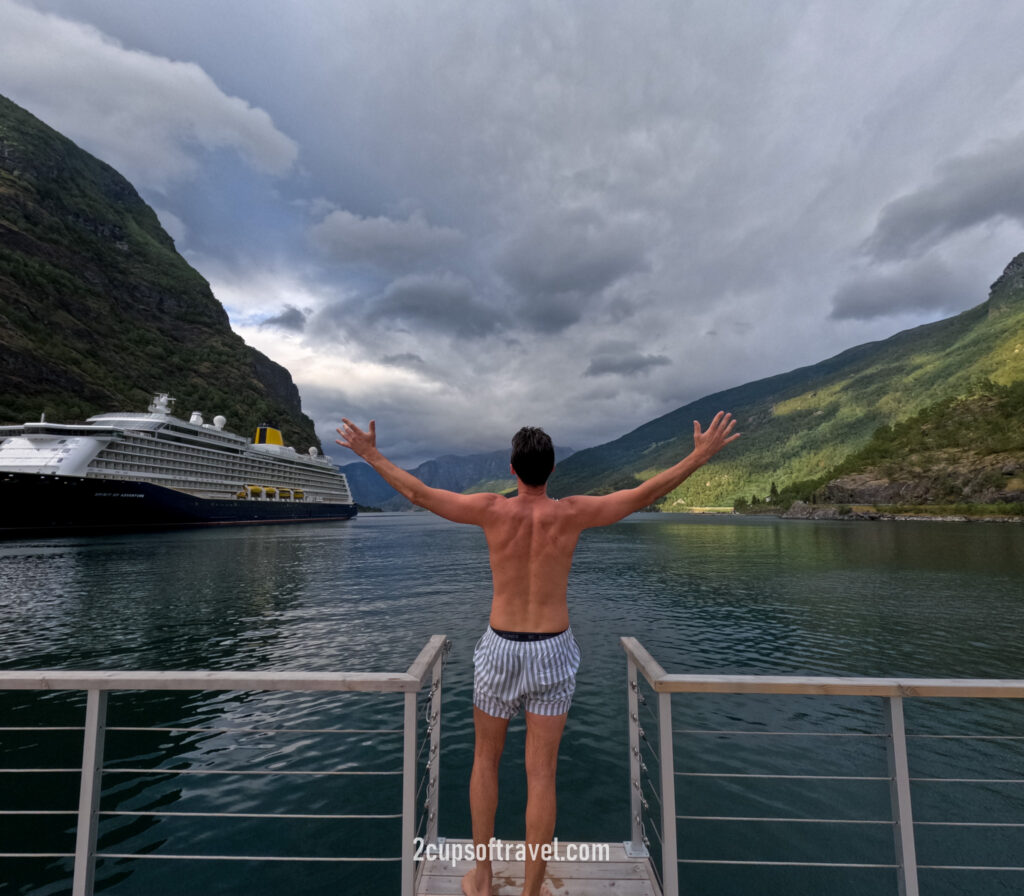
x=903 y=819
x=94 y=771
x=645 y=824
x=429 y=757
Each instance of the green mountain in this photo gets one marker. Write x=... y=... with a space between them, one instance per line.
x=803 y=424
x=98 y=311
x=959 y=450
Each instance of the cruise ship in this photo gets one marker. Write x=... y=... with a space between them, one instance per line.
x=134 y=471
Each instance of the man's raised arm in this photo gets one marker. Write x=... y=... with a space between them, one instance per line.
x=603 y=510
x=451 y=505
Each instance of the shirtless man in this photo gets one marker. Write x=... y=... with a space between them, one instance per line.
x=528 y=657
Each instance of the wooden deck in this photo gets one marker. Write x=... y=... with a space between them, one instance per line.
x=620 y=874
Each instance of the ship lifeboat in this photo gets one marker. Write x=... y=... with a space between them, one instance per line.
x=299 y=494
x=285 y=494
x=271 y=491
x=256 y=491
x=242 y=495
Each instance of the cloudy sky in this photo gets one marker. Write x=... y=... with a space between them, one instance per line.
x=462 y=217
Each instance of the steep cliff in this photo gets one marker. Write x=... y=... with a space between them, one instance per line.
x=98 y=311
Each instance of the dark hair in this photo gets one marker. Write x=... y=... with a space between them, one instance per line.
x=533 y=456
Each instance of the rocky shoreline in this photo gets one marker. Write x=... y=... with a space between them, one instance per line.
x=800 y=510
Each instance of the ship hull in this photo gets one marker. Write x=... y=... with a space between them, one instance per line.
x=33 y=505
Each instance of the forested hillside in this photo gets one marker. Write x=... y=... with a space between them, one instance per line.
x=98 y=311
x=966 y=450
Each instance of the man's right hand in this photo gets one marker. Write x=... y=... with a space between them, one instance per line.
x=355 y=439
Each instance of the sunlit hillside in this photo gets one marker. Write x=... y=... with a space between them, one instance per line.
x=801 y=424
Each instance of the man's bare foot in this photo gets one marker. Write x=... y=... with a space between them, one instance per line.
x=471 y=887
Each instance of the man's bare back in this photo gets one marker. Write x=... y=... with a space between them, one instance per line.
x=531 y=539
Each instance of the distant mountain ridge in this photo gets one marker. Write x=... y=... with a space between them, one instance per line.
x=798 y=425
x=98 y=311
x=475 y=472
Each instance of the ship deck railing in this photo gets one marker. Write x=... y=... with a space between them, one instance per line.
x=660 y=812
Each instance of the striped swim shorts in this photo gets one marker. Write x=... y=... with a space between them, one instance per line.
x=538 y=675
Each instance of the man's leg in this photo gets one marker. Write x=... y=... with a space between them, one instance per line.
x=483 y=794
x=543 y=735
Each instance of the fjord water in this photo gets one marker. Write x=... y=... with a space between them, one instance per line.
x=703 y=594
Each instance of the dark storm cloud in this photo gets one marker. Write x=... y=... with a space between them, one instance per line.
x=290 y=319
x=927 y=286
x=966 y=191
x=625 y=365
x=404 y=359
x=560 y=264
x=383 y=242
x=440 y=304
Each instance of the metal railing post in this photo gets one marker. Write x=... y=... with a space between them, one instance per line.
x=635 y=847
x=409 y=794
x=434 y=759
x=669 y=866
x=899 y=772
x=89 y=793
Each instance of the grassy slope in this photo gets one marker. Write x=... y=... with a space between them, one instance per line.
x=956 y=450
x=803 y=423
x=97 y=309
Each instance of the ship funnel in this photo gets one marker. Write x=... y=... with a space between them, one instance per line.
x=267 y=435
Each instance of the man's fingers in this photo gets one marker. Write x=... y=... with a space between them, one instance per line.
x=724 y=421
x=720 y=429
x=348 y=430
x=354 y=438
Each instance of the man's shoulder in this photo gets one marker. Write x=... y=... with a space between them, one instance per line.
x=571 y=501
x=518 y=505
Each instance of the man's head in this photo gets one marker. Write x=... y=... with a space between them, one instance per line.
x=533 y=455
